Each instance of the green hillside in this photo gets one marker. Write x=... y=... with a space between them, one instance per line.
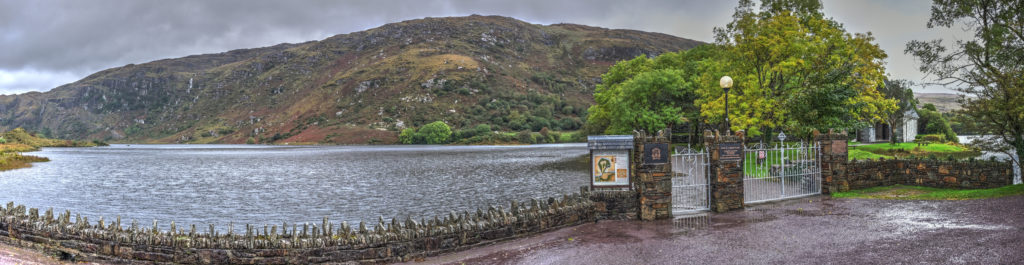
x=356 y=88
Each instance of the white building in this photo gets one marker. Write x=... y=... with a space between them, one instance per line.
x=904 y=131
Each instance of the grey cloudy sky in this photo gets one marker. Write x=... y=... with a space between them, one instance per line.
x=48 y=43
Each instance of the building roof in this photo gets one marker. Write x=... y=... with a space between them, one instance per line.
x=610 y=142
x=910 y=114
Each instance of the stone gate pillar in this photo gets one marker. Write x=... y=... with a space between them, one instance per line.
x=833 y=161
x=726 y=166
x=653 y=178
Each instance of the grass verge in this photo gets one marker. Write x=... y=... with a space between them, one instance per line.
x=901 y=192
x=10 y=161
x=863 y=155
x=903 y=150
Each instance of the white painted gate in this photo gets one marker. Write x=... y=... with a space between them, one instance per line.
x=690 y=190
x=781 y=172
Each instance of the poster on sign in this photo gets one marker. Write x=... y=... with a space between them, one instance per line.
x=610 y=168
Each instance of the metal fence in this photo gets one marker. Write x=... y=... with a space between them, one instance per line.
x=690 y=181
x=781 y=171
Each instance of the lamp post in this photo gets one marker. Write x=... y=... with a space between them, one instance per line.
x=726 y=83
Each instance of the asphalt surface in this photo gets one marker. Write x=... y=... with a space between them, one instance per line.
x=813 y=230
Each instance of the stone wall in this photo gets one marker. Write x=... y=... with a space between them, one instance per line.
x=615 y=205
x=834 y=159
x=726 y=176
x=927 y=173
x=653 y=182
x=110 y=241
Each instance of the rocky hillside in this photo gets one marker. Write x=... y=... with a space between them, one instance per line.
x=351 y=88
x=944 y=102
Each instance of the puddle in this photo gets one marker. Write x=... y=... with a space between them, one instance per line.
x=908 y=219
x=692 y=222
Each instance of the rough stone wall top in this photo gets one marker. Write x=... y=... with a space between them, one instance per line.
x=327 y=242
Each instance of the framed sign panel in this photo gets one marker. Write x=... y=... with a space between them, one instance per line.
x=609 y=168
x=655 y=153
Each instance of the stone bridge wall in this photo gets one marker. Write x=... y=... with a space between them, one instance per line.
x=110 y=241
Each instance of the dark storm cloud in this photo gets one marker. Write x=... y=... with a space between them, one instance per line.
x=46 y=43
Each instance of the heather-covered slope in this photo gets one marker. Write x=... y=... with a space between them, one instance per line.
x=350 y=88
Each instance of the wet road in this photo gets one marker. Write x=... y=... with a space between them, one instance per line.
x=814 y=230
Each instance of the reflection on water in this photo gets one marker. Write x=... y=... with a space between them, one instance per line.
x=692 y=221
x=910 y=219
x=218 y=184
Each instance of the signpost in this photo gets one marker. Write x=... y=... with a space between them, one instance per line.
x=730 y=152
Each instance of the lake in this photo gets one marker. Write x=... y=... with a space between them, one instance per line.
x=966 y=139
x=218 y=184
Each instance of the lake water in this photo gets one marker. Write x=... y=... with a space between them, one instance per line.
x=966 y=139
x=218 y=184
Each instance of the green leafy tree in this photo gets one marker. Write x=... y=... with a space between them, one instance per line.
x=648 y=94
x=987 y=69
x=435 y=133
x=900 y=91
x=796 y=69
x=932 y=122
x=407 y=136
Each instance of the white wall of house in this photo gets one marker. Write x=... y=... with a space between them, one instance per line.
x=909 y=129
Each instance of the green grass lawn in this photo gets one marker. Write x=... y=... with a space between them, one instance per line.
x=759 y=169
x=863 y=155
x=902 y=150
x=931 y=148
x=900 y=192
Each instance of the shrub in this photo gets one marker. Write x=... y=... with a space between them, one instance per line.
x=526 y=137
x=2 y=140
x=537 y=123
x=934 y=138
x=250 y=140
x=482 y=129
x=407 y=136
x=435 y=133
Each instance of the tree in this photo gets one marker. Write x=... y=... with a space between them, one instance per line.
x=435 y=133
x=932 y=122
x=407 y=136
x=900 y=91
x=647 y=94
x=987 y=70
x=795 y=69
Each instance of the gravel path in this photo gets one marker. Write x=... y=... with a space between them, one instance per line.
x=814 y=230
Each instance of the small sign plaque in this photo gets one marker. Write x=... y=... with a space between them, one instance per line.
x=730 y=152
x=838 y=146
x=655 y=153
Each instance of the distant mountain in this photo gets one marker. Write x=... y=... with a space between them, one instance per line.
x=350 y=88
x=944 y=102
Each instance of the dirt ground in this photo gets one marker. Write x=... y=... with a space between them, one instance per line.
x=813 y=230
